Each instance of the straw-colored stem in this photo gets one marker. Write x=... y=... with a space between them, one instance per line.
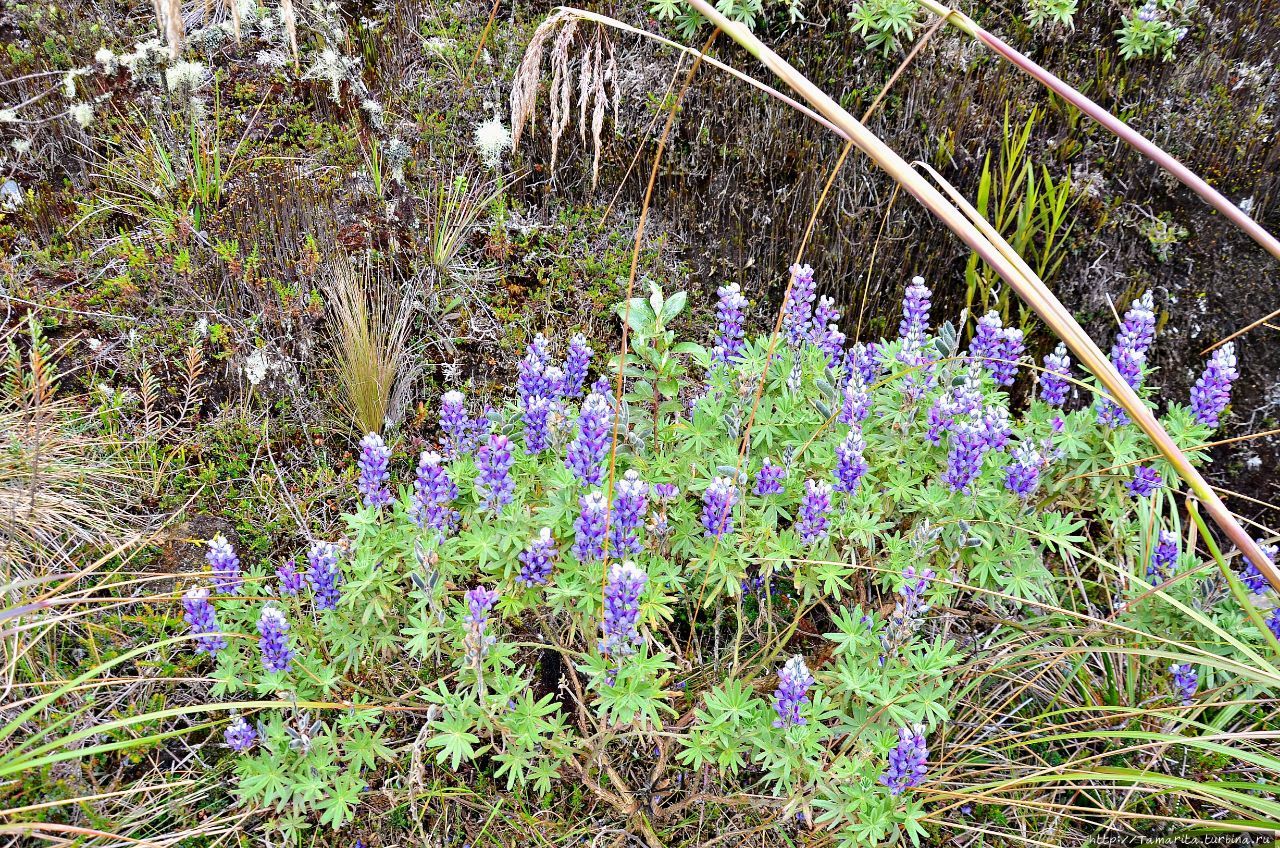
x=993 y=250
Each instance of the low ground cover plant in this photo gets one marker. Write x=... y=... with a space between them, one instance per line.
x=712 y=573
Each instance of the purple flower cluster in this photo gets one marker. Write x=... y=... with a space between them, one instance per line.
x=907 y=761
x=1273 y=622
x=324 y=575
x=290 y=579
x=586 y=454
x=1022 y=474
x=1164 y=558
x=850 y=463
x=797 y=312
x=458 y=428
x=373 y=476
x=203 y=622
x=718 y=502
x=240 y=735
x=1145 y=482
x=1252 y=576
x=225 y=565
x=857 y=400
x=532 y=379
x=273 y=630
x=1054 y=379
x=769 y=480
x=1185 y=682
x=477 y=639
x=537 y=560
x=915 y=310
x=494 y=483
x=815 y=505
x=630 y=502
x=794 y=681
x=433 y=492
x=620 y=628
x=730 y=315
x=1212 y=392
x=998 y=348
x=589 y=528
x=576 y=361
x=964 y=461
x=536 y=417
x=1129 y=354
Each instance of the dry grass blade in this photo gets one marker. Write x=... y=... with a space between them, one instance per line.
x=993 y=250
x=370 y=331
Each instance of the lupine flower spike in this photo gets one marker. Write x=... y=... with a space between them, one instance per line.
x=1185 y=682
x=850 y=463
x=203 y=622
x=1164 y=558
x=589 y=529
x=493 y=474
x=240 y=735
x=769 y=480
x=717 y=507
x=433 y=492
x=797 y=320
x=907 y=761
x=454 y=423
x=537 y=560
x=815 y=505
x=576 y=362
x=630 y=503
x=373 y=475
x=1145 y=482
x=1053 y=380
x=792 y=693
x=324 y=575
x=586 y=454
x=729 y=312
x=620 y=628
x=1212 y=392
x=478 y=640
x=222 y=559
x=1129 y=355
x=290 y=579
x=273 y=630
x=1252 y=576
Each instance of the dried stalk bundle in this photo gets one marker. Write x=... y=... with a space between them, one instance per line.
x=291 y=27
x=171 y=26
x=597 y=81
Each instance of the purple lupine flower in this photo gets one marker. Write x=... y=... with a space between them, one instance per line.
x=620 y=627
x=915 y=310
x=815 y=504
x=589 y=528
x=477 y=639
x=666 y=491
x=1273 y=622
x=797 y=318
x=1022 y=474
x=630 y=502
x=290 y=579
x=576 y=361
x=857 y=400
x=831 y=341
x=273 y=628
x=988 y=340
x=373 y=476
x=225 y=565
x=864 y=359
x=538 y=558
x=455 y=424
x=825 y=313
x=908 y=610
x=997 y=427
x=941 y=417
x=1145 y=481
x=792 y=693
x=850 y=463
x=1164 y=558
x=1129 y=354
x=914 y=585
x=1053 y=380
x=1185 y=682
x=494 y=483
x=1004 y=366
x=531 y=379
x=602 y=386
x=769 y=480
x=586 y=454
x=717 y=507
x=729 y=313
x=1149 y=12
x=907 y=761
x=1252 y=576
x=536 y=417
x=1212 y=392
x=325 y=575
x=203 y=621
x=239 y=735
x=433 y=492
x=964 y=461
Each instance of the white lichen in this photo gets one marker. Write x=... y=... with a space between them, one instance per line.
x=185 y=77
x=492 y=139
x=82 y=114
x=255 y=367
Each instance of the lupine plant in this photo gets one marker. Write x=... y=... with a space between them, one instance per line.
x=725 y=565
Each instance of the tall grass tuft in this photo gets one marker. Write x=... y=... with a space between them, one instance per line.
x=370 y=316
x=455 y=204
